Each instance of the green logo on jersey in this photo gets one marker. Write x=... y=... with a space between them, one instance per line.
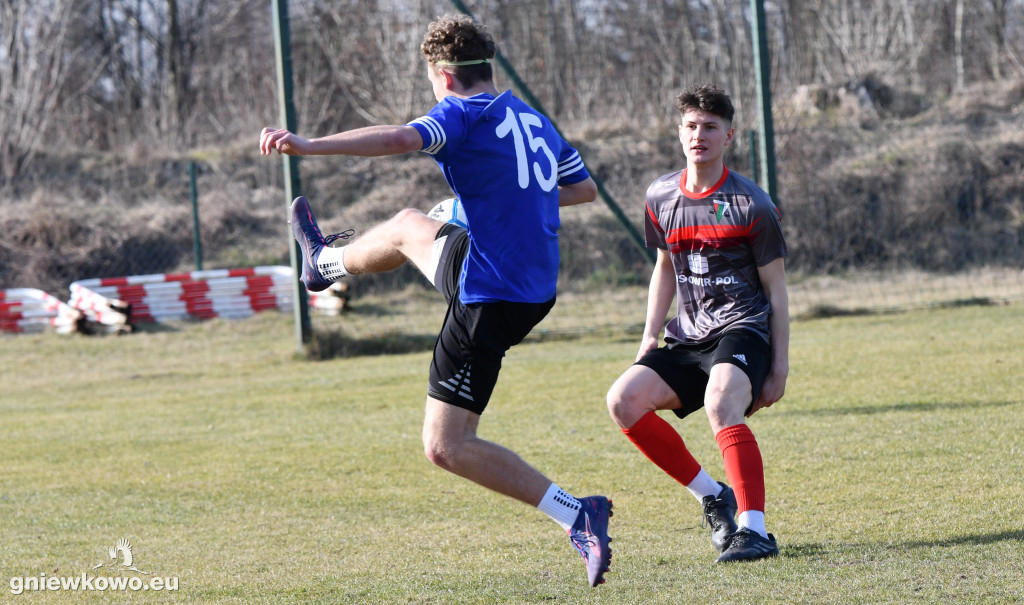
x=720 y=209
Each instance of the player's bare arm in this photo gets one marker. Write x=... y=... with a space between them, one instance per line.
x=661 y=292
x=371 y=141
x=773 y=279
x=577 y=193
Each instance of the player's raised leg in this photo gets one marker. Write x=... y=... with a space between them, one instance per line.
x=409 y=235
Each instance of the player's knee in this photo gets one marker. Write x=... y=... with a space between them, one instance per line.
x=435 y=455
x=403 y=226
x=406 y=219
x=715 y=394
x=624 y=405
x=724 y=411
x=440 y=453
x=407 y=214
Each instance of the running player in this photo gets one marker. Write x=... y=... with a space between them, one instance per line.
x=720 y=254
x=512 y=171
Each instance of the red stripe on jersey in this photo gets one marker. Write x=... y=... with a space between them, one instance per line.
x=654 y=219
x=718 y=236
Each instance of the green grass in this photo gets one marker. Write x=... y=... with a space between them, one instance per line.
x=254 y=476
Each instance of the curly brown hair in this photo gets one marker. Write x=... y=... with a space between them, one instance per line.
x=706 y=97
x=454 y=38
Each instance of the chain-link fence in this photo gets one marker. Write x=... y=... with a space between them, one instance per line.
x=136 y=219
x=882 y=236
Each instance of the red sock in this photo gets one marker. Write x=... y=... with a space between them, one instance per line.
x=743 y=466
x=664 y=447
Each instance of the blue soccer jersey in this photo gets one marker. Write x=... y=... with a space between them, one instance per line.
x=504 y=161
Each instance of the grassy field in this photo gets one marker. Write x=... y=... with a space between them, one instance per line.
x=251 y=475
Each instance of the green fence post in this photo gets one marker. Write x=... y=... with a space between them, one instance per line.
x=197 y=245
x=764 y=93
x=292 y=183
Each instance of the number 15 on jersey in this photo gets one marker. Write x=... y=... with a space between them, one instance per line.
x=521 y=128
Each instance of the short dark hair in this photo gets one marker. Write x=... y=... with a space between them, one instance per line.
x=455 y=38
x=706 y=97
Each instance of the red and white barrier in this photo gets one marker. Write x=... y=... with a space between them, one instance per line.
x=32 y=310
x=230 y=293
x=197 y=294
x=108 y=312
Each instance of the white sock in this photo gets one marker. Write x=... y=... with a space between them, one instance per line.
x=560 y=506
x=703 y=485
x=753 y=520
x=331 y=263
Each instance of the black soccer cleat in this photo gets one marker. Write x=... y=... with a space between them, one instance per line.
x=311 y=242
x=719 y=514
x=748 y=545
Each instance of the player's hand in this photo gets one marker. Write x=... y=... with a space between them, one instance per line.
x=772 y=390
x=647 y=344
x=282 y=141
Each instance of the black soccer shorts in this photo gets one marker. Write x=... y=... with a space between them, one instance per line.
x=685 y=367
x=474 y=337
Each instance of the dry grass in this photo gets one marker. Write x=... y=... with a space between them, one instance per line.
x=876 y=291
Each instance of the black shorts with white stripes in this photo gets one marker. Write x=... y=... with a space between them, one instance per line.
x=474 y=337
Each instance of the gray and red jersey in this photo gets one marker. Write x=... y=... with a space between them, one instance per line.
x=717 y=240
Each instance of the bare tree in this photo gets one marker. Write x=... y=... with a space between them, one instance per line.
x=231 y=93
x=997 y=31
x=958 y=45
x=34 y=61
x=113 y=74
x=177 y=74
